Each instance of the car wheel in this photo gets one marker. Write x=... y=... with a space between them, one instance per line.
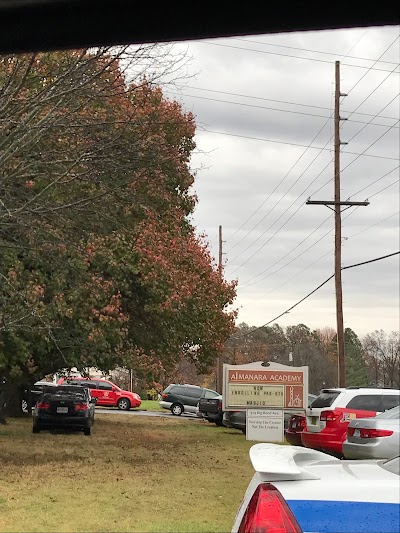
x=124 y=404
x=177 y=409
x=87 y=431
x=35 y=429
x=218 y=422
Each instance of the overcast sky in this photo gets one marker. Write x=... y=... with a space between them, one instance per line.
x=265 y=145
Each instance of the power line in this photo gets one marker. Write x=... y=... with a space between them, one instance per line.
x=363 y=76
x=280 y=101
x=373 y=225
x=293 y=56
x=314 y=51
x=298 y=209
x=316 y=289
x=282 y=226
x=271 y=108
x=248 y=283
x=269 y=196
x=292 y=144
x=320 y=258
x=373 y=183
x=307 y=267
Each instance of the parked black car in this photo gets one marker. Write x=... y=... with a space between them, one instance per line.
x=211 y=409
x=31 y=395
x=65 y=406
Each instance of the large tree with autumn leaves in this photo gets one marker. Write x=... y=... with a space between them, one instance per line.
x=99 y=263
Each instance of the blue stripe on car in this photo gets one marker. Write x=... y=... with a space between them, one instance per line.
x=346 y=517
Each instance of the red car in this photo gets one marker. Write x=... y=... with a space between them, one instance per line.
x=106 y=392
x=330 y=414
x=293 y=433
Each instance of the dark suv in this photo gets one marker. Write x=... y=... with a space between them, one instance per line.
x=184 y=398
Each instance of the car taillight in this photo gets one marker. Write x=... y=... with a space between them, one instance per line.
x=81 y=407
x=43 y=405
x=369 y=433
x=219 y=406
x=329 y=416
x=268 y=512
x=302 y=423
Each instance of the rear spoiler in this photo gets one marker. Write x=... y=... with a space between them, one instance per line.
x=277 y=462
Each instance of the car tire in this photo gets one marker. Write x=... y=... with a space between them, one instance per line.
x=87 y=431
x=176 y=409
x=35 y=429
x=124 y=404
x=218 y=422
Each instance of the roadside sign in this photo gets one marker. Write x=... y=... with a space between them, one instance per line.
x=264 y=385
x=264 y=425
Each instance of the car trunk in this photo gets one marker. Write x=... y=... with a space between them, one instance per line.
x=210 y=405
x=64 y=406
x=322 y=403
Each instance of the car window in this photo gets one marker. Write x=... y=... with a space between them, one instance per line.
x=311 y=398
x=366 y=402
x=103 y=385
x=391 y=414
x=177 y=390
x=325 y=399
x=390 y=401
x=210 y=394
x=74 y=394
x=193 y=392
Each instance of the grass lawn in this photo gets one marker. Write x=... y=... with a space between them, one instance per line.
x=135 y=473
x=151 y=405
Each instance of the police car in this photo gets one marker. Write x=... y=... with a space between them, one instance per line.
x=299 y=490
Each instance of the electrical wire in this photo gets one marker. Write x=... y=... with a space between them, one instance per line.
x=279 y=101
x=272 y=192
x=293 y=144
x=312 y=142
x=313 y=51
x=371 y=68
x=298 y=209
x=292 y=56
x=316 y=289
x=320 y=258
x=253 y=106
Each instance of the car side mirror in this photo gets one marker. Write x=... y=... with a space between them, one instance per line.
x=114 y=389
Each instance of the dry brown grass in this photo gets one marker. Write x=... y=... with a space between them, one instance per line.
x=135 y=473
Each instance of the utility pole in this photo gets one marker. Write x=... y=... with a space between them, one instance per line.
x=337 y=203
x=338 y=239
x=219 y=361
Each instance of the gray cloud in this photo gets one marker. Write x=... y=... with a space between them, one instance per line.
x=236 y=175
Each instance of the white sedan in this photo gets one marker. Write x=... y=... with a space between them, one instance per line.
x=300 y=490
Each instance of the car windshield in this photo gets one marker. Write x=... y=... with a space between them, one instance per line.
x=390 y=414
x=325 y=399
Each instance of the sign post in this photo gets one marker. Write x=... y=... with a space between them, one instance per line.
x=264 y=390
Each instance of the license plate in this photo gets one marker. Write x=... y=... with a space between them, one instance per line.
x=62 y=410
x=314 y=420
x=356 y=433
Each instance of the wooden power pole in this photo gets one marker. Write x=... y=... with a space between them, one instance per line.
x=337 y=203
x=338 y=238
x=219 y=362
